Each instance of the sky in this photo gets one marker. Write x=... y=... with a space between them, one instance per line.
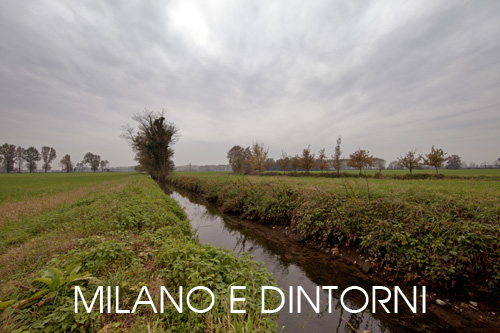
x=387 y=76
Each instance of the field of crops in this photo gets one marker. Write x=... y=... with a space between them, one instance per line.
x=437 y=232
x=112 y=230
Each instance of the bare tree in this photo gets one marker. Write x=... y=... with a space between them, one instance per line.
x=66 y=163
x=360 y=159
x=337 y=156
x=153 y=143
x=19 y=158
x=436 y=158
x=307 y=159
x=8 y=153
x=48 y=155
x=31 y=156
x=410 y=161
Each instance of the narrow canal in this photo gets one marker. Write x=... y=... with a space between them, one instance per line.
x=294 y=264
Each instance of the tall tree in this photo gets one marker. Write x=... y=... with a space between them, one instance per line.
x=436 y=158
x=284 y=162
x=322 y=161
x=337 y=156
x=153 y=143
x=104 y=164
x=66 y=163
x=31 y=156
x=19 y=158
x=360 y=159
x=48 y=155
x=258 y=157
x=8 y=153
x=410 y=161
x=236 y=157
x=454 y=162
x=92 y=160
x=307 y=159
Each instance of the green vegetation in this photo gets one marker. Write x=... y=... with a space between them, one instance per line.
x=436 y=231
x=127 y=234
x=21 y=187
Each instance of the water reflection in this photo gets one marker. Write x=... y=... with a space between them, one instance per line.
x=294 y=265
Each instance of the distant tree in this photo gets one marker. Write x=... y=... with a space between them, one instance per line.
x=153 y=143
x=472 y=165
x=19 y=158
x=79 y=167
x=284 y=162
x=393 y=165
x=307 y=159
x=8 y=152
x=271 y=164
x=295 y=162
x=247 y=167
x=454 y=162
x=322 y=162
x=31 y=156
x=337 y=156
x=104 y=164
x=92 y=160
x=66 y=163
x=48 y=155
x=436 y=158
x=236 y=157
x=360 y=159
x=258 y=157
x=410 y=161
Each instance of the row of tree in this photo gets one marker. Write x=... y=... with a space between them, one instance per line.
x=255 y=159
x=12 y=157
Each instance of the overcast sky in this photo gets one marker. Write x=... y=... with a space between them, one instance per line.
x=388 y=76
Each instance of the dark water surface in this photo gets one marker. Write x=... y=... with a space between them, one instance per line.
x=294 y=264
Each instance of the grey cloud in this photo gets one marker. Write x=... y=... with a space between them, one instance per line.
x=386 y=75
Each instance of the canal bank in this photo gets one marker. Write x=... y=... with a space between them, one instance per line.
x=295 y=263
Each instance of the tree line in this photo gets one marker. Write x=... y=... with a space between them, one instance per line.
x=13 y=158
x=254 y=159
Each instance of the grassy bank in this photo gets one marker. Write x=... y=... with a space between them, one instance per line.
x=118 y=232
x=437 y=232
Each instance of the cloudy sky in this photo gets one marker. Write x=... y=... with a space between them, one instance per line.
x=388 y=76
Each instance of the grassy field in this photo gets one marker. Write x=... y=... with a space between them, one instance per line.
x=22 y=187
x=438 y=232
x=113 y=230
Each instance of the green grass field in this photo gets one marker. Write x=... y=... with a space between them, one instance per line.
x=112 y=230
x=20 y=187
x=486 y=190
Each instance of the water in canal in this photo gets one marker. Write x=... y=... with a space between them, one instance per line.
x=294 y=264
